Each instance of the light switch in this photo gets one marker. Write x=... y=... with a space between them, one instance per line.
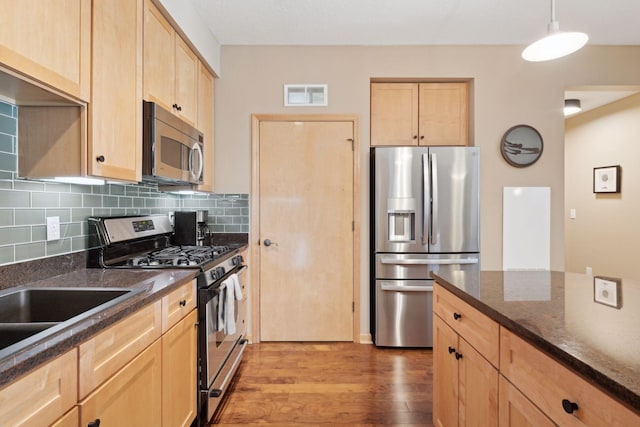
x=572 y=213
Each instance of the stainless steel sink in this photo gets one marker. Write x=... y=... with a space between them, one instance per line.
x=28 y=315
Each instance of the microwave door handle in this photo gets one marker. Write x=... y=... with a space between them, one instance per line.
x=196 y=148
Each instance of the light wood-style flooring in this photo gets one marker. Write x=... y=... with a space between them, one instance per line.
x=336 y=384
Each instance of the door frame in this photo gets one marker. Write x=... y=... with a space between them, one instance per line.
x=254 y=222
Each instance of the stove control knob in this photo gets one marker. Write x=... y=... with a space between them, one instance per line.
x=237 y=260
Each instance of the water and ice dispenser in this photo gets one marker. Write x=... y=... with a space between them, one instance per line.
x=401 y=220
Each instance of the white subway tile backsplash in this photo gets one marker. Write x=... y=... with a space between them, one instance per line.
x=25 y=204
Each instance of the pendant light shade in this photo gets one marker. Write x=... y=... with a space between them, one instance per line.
x=572 y=106
x=556 y=44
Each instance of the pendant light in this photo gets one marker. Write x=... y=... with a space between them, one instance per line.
x=556 y=44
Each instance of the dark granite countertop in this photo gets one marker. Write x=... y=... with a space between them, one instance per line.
x=155 y=285
x=558 y=314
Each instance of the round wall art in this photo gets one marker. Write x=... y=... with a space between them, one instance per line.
x=521 y=146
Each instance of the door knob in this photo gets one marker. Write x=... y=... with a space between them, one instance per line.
x=268 y=242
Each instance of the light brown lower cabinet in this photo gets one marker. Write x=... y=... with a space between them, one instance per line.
x=562 y=395
x=70 y=419
x=132 y=397
x=516 y=410
x=465 y=383
x=179 y=373
x=43 y=395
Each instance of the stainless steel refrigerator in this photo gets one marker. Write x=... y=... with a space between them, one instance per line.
x=425 y=217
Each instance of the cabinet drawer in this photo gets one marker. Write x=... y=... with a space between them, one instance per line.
x=178 y=304
x=477 y=329
x=110 y=350
x=42 y=396
x=547 y=383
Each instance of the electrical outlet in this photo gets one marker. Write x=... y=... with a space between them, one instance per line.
x=53 y=228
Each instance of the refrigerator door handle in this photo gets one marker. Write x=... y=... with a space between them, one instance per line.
x=426 y=199
x=421 y=261
x=402 y=288
x=434 y=195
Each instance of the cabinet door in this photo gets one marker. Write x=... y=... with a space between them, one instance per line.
x=48 y=41
x=445 y=374
x=205 y=124
x=132 y=397
x=186 y=79
x=159 y=62
x=394 y=114
x=179 y=373
x=516 y=410
x=115 y=119
x=444 y=114
x=478 y=388
x=42 y=396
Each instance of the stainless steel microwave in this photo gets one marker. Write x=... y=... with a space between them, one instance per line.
x=172 y=150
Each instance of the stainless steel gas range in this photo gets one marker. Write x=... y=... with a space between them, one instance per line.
x=144 y=242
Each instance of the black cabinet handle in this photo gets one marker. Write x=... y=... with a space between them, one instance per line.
x=175 y=106
x=421 y=136
x=95 y=423
x=457 y=316
x=183 y=303
x=415 y=136
x=179 y=108
x=569 y=406
x=100 y=158
x=458 y=356
x=451 y=350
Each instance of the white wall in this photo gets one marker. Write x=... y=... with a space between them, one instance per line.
x=506 y=91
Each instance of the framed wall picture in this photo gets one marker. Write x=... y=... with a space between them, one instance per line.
x=606 y=179
x=607 y=291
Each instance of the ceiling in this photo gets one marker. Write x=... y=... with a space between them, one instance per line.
x=415 y=22
x=424 y=22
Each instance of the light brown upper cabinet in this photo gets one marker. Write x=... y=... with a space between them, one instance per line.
x=104 y=138
x=420 y=113
x=205 y=124
x=48 y=42
x=115 y=111
x=170 y=67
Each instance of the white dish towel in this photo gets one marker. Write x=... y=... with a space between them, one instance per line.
x=233 y=294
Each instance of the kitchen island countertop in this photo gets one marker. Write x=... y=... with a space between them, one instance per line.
x=557 y=313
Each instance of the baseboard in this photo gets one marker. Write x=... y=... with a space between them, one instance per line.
x=365 y=339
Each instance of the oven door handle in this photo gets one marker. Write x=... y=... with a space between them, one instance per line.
x=217 y=392
x=242 y=270
x=212 y=292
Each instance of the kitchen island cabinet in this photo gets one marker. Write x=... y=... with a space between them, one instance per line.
x=465 y=382
x=410 y=114
x=559 y=361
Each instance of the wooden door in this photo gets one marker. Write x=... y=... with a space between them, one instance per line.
x=445 y=375
x=306 y=184
x=477 y=388
x=444 y=114
x=132 y=397
x=186 y=81
x=394 y=114
x=159 y=63
x=115 y=120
